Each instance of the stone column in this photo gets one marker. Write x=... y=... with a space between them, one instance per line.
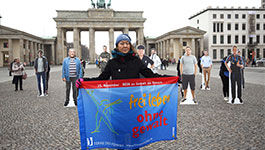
x=64 y=46
x=171 y=47
x=180 y=47
x=140 y=36
x=125 y=31
x=193 y=46
x=76 y=40
x=175 y=49
x=201 y=46
x=31 y=51
x=111 y=39
x=164 y=49
x=1 y=59
x=92 y=45
x=35 y=50
x=27 y=52
x=59 y=47
x=53 y=55
x=21 y=50
x=10 y=50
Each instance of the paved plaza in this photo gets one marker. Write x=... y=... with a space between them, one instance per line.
x=28 y=122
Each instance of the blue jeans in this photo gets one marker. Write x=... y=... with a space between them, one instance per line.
x=39 y=75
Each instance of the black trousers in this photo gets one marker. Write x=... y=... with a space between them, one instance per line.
x=16 y=80
x=68 y=86
x=225 y=81
x=47 y=81
x=236 y=79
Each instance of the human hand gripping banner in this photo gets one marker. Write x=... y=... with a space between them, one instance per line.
x=127 y=114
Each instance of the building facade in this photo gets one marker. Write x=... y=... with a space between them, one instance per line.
x=22 y=45
x=172 y=44
x=225 y=27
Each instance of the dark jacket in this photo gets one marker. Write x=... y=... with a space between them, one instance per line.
x=223 y=70
x=44 y=63
x=125 y=67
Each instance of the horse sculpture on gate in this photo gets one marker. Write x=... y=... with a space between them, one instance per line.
x=100 y=4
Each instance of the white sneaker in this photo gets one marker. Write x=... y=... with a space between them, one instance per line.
x=208 y=89
x=226 y=98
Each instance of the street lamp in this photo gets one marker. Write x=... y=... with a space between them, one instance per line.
x=0 y=19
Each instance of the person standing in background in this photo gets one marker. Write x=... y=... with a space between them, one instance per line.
x=71 y=71
x=40 y=66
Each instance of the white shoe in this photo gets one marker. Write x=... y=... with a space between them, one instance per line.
x=226 y=98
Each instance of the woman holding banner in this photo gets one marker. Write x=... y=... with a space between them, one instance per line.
x=124 y=64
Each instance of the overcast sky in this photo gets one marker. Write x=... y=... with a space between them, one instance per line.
x=36 y=16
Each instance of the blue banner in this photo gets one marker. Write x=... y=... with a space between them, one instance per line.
x=127 y=114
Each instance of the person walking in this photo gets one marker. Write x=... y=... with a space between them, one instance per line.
x=18 y=69
x=71 y=71
x=156 y=60
x=10 y=67
x=124 y=64
x=104 y=57
x=224 y=74
x=40 y=66
x=188 y=70
x=206 y=65
x=234 y=69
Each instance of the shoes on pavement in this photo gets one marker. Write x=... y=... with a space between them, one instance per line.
x=233 y=100
x=208 y=88
x=183 y=100
x=195 y=101
x=240 y=100
x=66 y=103
x=226 y=98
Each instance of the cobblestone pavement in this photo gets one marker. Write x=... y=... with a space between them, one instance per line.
x=28 y=122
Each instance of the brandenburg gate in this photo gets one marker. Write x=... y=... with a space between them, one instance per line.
x=94 y=20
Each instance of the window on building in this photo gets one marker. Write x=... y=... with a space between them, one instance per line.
x=24 y=45
x=243 y=16
x=184 y=43
x=244 y=53
x=258 y=16
x=214 y=39
x=222 y=16
x=258 y=26
x=236 y=16
x=228 y=39
x=263 y=16
x=221 y=39
x=263 y=26
x=236 y=26
x=221 y=53
x=243 y=26
x=236 y=39
x=222 y=27
x=258 y=53
x=198 y=21
x=218 y=25
x=228 y=16
x=264 y=53
x=214 y=27
x=214 y=54
x=243 y=39
x=229 y=52
x=5 y=45
x=258 y=39
x=229 y=26
x=214 y=16
x=263 y=39
x=250 y=40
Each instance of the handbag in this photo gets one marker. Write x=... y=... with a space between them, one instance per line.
x=24 y=75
